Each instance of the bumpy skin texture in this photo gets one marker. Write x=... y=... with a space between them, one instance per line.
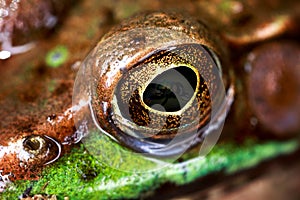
x=196 y=29
x=13 y=148
x=68 y=129
x=22 y=22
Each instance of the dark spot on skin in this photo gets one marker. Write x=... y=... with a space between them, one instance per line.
x=242 y=20
x=62 y=88
x=140 y=39
x=51 y=117
x=40 y=70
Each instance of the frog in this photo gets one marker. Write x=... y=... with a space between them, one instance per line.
x=47 y=117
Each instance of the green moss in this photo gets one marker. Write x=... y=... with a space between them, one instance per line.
x=15 y=190
x=229 y=158
x=79 y=175
x=57 y=56
x=109 y=152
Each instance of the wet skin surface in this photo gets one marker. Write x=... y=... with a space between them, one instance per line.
x=36 y=98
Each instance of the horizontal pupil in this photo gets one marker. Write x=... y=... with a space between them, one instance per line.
x=161 y=98
x=171 y=90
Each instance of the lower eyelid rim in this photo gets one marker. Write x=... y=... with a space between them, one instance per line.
x=59 y=150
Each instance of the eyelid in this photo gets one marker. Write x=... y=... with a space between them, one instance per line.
x=116 y=75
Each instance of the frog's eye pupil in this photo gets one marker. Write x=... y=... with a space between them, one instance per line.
x=33 y=144
x=156 y=94
x=167 y=89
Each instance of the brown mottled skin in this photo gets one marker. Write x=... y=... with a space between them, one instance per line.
x=61 y=132
x=22 y=22
x=194 y=27
x=24 y=122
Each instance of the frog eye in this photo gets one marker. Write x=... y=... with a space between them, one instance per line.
x=152 y=88
x=41 y=149
x=162 y=99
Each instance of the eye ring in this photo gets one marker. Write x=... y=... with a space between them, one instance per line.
x=114 y=82
x=41 y=148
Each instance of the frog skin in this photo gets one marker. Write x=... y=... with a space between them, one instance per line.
x=60 y=126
